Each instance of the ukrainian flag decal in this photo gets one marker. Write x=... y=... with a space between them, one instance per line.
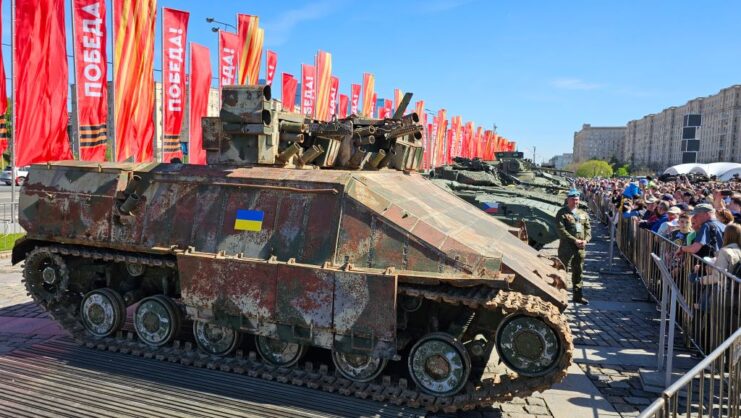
x=249 y=220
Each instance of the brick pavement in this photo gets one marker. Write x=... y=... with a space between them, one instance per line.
x=22 y=322
x=620 y=317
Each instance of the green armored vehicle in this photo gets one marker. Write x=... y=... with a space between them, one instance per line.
x=485 y=185
x=515 y=169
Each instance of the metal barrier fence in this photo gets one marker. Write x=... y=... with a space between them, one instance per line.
x=9 y=222
x=712 y=388
x=712 y=293
x=713 y=326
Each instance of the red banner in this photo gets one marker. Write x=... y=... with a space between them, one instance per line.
x=382 y=113
x=397 y=98
x=288 y=96
x=374 y=103
x=343 y=106
x=248 y=40
x=133 y=61
x=200 y=86
x=91 y=75
x=387 y=109
x=272 y=64
x=174 y=40
x=440 y=136
x=3 y=99
x=308 y=89
x=369 y=99
x=354 y=99
x=334 y=88
x=323 y=67
x=228 y=58
x=41 y=82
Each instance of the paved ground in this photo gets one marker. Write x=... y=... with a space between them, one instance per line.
x=614 y=336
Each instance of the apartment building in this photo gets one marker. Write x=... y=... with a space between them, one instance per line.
x=703 y=130
x=598 y=142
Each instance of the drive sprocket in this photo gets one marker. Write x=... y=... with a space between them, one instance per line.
x=46 y=275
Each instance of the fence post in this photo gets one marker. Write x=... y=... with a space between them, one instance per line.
x=661 y=377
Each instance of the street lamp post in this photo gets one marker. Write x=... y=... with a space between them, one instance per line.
x=215 y=29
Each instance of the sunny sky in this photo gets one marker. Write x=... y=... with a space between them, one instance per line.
x=536 y=69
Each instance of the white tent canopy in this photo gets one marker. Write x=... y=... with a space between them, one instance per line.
x=679 y=169
x=723 y=171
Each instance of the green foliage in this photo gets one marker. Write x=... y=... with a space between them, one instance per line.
x=8 y=240
x=594 y=168
x=623 y=171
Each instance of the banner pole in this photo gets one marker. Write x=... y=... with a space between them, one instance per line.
x=76 y=117
x=13 y=115
x=159 y=146
x=113 y=81
x=189 y=47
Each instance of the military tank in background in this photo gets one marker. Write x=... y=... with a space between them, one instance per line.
x=517 y=170
x=531 y=202
x=315 y=247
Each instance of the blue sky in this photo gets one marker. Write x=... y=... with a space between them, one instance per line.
x=536 y=69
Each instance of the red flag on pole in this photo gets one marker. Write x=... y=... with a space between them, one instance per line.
x=174 y=41
x=308 y=89
x=272 y=64
x=382 y=111
x=228 y=58
x=334 y=88
x=397 y=98
x=354 y=98
x=91 y=75
x=388 y=110
x=343 y=106
x=200 y=86
x=323 y=68
x=288 y=97
x=373 y=104
x=134 y=78
x=247 y=28
x=369 y=95
x=41 y=82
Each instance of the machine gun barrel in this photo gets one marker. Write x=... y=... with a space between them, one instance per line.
x=330 y=130
x=402 y=130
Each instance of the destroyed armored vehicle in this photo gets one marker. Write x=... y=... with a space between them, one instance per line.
x=482 y=184
x=298 y=238
x=519 y=171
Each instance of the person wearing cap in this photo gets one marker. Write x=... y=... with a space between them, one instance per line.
x=574 y=231
x=666 y=228
x=709 y=237
x=650 y=213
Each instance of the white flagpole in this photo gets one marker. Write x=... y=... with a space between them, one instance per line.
x=112 y=116
x=76 y=116
x=13 y=113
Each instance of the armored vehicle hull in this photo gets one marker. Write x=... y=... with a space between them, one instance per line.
x=511 y=200
x=513 y=207
x=370 y=266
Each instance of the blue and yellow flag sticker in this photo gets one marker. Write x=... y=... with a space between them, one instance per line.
x=249 y=220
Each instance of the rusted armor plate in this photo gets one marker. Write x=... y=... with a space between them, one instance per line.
x=351 y=311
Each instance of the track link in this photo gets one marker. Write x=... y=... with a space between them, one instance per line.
x=394 y=390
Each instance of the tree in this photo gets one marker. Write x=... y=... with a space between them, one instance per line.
x=594 y=168
x=623 y=171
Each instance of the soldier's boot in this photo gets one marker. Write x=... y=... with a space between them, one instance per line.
x=579 y=298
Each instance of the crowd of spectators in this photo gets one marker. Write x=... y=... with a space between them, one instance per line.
x=700 y=218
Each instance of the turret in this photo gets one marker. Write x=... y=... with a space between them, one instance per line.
x=252 y=130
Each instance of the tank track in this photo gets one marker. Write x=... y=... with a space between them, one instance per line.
x=397 y=391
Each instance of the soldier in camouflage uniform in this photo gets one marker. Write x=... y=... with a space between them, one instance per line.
x=574 y=232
